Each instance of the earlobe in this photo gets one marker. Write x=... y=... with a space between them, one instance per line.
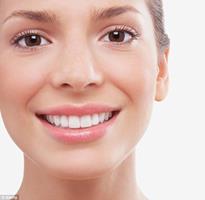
x=162 y=82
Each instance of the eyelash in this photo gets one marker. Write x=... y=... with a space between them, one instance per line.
x=123 y=28
x=133 y=33
x=22 y=35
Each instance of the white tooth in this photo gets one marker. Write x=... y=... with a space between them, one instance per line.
x=78 y=122
x=107 y=116
x=64 y=121
x=74 y=122
x=47 y=118
x=85 y=121
x=57 y=120
x=50 y=119
x=102 y=117
x=95 y=119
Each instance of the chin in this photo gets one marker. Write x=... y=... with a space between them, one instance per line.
x=78 y=172
x=73 y=168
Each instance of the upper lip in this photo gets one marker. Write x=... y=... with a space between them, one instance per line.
x=87 y=109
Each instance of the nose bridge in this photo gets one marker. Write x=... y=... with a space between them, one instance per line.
x=76 y=68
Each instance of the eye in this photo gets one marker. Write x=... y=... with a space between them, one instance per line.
x=121 y=35
x=32 y=40
x=29 y=39
x=118 y=36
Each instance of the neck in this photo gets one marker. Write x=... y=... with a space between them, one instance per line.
x=120 y=184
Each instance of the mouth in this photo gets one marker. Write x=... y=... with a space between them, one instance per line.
x=78 y=124
x=78 y=121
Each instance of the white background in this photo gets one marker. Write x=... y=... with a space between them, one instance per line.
x=170 y=157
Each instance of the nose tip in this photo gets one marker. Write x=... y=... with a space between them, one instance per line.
x=76 y=78
x=79 y=81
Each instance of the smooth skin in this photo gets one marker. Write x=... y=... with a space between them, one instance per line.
x=76 y=63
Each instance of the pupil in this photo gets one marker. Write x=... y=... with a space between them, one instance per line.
x=117 y=36
x=33 y=40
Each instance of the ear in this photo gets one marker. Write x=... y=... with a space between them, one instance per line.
x=163 y=76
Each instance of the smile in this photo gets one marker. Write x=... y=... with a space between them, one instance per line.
x=73 y=124
x=76 y=122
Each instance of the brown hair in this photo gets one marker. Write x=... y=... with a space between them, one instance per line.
x=157 y=14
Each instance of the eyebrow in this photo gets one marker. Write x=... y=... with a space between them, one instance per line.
x=39 y=16
x=114 y=11
x=49 y=17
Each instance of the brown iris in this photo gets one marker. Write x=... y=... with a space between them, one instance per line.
x=33 y=40
x=116 y=36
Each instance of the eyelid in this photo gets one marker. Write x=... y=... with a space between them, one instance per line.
x=121 y=27
x=28 y=32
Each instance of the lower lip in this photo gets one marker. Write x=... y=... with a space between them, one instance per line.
x=80 y=135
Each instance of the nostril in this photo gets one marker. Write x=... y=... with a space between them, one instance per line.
x=91 y=84
x=65 y=85
x=78 y=86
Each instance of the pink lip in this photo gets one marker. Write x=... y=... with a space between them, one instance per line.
x=87 y=109
x=80 y=135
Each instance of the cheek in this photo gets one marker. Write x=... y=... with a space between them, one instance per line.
x=134 y=74
x=20 y=80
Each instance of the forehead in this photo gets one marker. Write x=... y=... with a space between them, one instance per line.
x=80 y=7
x=79 y=3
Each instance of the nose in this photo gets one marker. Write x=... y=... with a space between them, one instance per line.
x=76 y=72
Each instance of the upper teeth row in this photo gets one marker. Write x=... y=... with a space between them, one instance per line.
x=78 y=122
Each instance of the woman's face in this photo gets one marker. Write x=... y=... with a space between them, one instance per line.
x=66 y=54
